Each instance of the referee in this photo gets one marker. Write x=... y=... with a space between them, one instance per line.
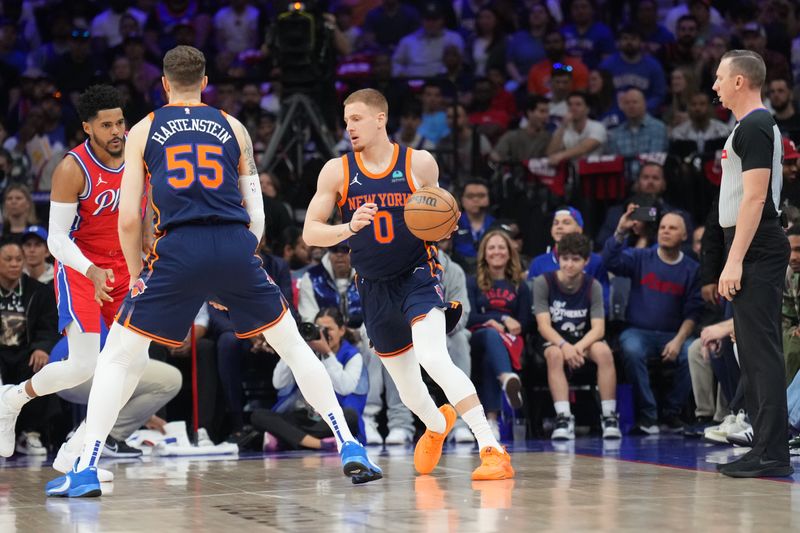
x=758 y=254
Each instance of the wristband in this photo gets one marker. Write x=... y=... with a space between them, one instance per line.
x=351 y=228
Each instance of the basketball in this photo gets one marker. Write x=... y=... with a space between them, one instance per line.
x=431 y=214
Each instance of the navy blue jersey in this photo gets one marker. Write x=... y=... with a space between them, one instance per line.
x=192 y=159
x=570 y=314
x=386 y=248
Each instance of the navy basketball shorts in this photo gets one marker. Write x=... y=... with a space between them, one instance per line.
x=191 y=264
x=392 y=306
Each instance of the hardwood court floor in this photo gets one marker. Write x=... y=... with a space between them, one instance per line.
x=581 y=486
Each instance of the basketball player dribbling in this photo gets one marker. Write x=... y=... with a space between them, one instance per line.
x=405 y=314
x=91 y=277
x=209 y=218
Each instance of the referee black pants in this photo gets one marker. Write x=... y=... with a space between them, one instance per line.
x=757 y=322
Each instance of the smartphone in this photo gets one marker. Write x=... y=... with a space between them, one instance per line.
x=644 y=214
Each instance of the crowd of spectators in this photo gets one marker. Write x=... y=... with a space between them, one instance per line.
x=548 y=118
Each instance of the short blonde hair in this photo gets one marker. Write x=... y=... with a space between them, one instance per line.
x=185 y=66
x=370 y=97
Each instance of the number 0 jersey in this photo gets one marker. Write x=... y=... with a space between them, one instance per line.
x=192 y=157
x=385 y=248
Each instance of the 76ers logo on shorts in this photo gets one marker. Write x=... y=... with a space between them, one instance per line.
x=138 y=288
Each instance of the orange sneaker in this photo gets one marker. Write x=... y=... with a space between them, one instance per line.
x=429 y=447
x=495 y=464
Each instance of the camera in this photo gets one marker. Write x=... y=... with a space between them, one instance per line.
x=303 y=46
x=311 y=332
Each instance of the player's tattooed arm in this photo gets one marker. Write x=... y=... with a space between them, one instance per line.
x=249 y=158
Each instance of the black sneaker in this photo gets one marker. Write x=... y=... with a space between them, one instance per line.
x=698 y=429
x=118 y=448
x=645 y=426
x=672 y=424
x=244 y=438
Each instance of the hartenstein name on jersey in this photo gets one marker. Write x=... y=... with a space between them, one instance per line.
x=190 y=124
x=388 y=199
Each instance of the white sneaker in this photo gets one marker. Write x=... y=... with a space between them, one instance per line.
x=371 y=429
x=495 y=427
x=730 y=425
x=65 y=460
x=399 y=436
x=742 y=438
x=462 y=433
x=8 y=421
x=30 y=443
x=203 y=439
x=564 y=429
x=610 y=426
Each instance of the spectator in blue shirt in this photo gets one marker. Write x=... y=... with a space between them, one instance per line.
x=639 y=133
x=663 y=308
x=434 y=119
x=630 y=68
x=590 y=40
x=525 y=47
x=388 y=23
x=473 y=224
x=568 y=220
x=654 y=35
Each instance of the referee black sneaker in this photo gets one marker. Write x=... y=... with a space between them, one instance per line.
x=120 y=449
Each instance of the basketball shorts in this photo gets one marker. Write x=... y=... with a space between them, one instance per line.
x=392 y=306
x=191 y=264
x=75 y=293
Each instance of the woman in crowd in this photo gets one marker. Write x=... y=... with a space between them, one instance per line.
x=292 y=423
x=500 y=312
x=18 y=211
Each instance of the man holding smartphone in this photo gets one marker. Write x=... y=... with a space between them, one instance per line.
x=758 y=254
x=663 y=308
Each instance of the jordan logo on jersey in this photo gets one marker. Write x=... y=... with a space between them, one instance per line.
x=100 y=180
x=355 y=180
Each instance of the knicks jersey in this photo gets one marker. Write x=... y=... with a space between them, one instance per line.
x=385 y=248
x=95 y=228
x=192 y=158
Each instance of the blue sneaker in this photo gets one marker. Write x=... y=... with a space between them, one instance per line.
x=83 y=484
x=357 y=465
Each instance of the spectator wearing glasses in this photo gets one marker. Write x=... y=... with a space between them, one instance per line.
x=473 y=224
x=556 y=59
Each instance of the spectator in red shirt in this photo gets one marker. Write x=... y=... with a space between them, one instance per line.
x=555 y=50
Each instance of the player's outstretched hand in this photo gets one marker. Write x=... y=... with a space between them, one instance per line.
x=100 y=278
x=363 y=216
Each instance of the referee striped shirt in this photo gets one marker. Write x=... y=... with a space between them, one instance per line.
x=754 y=143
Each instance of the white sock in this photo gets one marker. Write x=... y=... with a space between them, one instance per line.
x=476 y=420
x=123 y=358
x=16 y=397
x=310 y=375
x=609 y=407
x=562 y=408
x=405 y=372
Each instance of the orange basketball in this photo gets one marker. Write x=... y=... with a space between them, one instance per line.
x=431 y=214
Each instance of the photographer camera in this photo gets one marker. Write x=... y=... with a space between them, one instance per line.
x=292 y=423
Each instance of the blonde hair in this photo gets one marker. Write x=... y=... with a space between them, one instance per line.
x=184 y=66
x=513 y=271
x=30 y=217
x=370 y=97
